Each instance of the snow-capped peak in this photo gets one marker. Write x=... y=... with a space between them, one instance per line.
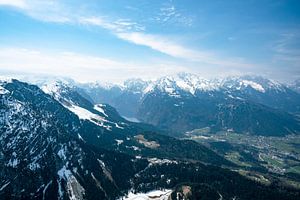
x=5 y=79
x=187 y=82
x=51 y=88
x=254 y=85
x=55 y=87
x=192 y=82
x=257 y=83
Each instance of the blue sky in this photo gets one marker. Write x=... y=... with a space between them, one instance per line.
x=115 y=40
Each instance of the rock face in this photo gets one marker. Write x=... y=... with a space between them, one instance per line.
x=184 y=102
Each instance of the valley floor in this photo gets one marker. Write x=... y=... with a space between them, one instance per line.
x=268 y=156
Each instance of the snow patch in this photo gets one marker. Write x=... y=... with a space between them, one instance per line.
x=252 y=84
x=61 y=154
x=153 y=195
x=161 y=161
x=99 y=107
x=135 y=148
x=13 y=163
x=3 y=90
x=131 y=119
x=83 y=113
x=64 y=173
x=87 y=115
x=119 y=142
x=118 y=126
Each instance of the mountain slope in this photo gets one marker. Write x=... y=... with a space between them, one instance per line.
x=42 y=156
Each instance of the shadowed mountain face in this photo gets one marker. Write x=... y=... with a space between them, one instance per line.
x=185 y=102
x=218 y=114
x=61 y=146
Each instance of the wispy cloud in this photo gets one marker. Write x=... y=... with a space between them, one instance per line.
x=120 y=25
x=163 y=45
x=168 y=47
x=170 y=14
x=287 y=48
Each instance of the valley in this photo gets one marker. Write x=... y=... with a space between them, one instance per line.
x=274 y=156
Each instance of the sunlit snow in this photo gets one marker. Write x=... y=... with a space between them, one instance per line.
x=254 y=85
x=99 y=108
x=3 y=90
x=153 y=195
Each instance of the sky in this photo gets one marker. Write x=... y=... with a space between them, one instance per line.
x=104 y=40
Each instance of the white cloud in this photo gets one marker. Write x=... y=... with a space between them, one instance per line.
x=168 y=47
x=117 y=26
x=96 y=21
x=79 y=67
x=160 y=44
x=14 y=3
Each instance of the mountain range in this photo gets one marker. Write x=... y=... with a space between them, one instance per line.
x=57 y=144
x=180 y=103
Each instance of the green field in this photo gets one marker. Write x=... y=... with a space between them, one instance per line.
x=277 y=155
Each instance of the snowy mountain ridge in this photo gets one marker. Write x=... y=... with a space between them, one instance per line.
x=191 y=83
x=186 y=82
